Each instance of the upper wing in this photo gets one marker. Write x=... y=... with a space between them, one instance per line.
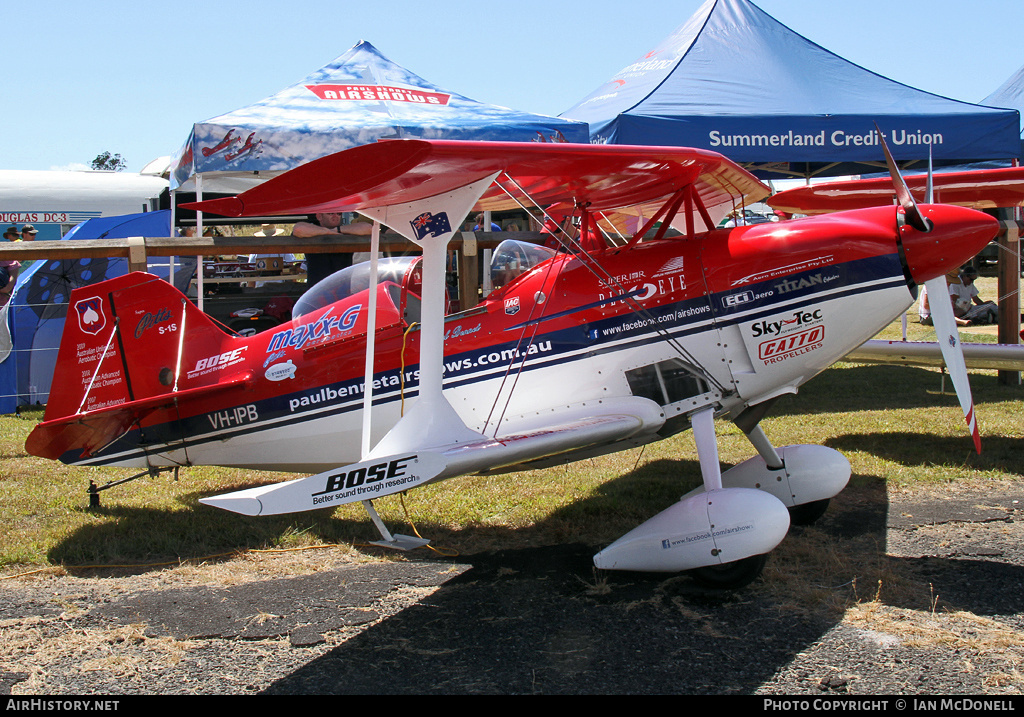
x=978 y=189
x=394 y=172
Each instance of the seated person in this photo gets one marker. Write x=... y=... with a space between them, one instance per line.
x=479 y=227
x=968 y=306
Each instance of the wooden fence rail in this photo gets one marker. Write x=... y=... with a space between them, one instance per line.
x=137 y=249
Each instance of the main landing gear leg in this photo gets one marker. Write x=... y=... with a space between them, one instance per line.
x=804 y=513
x=738 y=573
x=719 y=536
x=396 y=542
x=703 y=424
x=764 y=447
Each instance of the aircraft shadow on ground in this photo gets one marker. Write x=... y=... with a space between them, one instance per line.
x=142 y=535
x=542 y=620
x=1003 y=454
x=883 y=387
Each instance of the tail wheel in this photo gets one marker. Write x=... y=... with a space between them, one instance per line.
x=730 y=576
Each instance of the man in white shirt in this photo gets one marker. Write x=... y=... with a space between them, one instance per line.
x=967 y=304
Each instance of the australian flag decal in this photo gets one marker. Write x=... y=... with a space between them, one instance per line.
x=432 y=224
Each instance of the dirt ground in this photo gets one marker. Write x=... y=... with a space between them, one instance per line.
x=924 y=596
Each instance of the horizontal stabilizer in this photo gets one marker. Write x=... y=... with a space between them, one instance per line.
x=132 y=346
x=90 y=431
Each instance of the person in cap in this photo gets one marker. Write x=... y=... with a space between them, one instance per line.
x=278 y=259
x=735 y=218
x=28 y=232
x=8 y=268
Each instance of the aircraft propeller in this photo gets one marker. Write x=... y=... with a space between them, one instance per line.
x=942 y=311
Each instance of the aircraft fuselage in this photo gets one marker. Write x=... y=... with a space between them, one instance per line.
x=733 y=317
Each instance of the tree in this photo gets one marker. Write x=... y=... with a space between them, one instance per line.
x=106 y=160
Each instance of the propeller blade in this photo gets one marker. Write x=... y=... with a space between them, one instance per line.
x=914 y=216
x=952 y=353
x=942 y=309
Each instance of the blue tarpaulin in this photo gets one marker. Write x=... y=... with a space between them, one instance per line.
x=357 y=99
x=1011 y=96
x=734 y=80
x=32 y=322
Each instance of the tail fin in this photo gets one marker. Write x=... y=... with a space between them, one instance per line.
x=122 y=341
x=122 y=355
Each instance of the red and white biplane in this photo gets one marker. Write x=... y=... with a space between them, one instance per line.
x=373 y=390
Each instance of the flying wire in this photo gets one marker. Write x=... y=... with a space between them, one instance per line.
x=602 y=274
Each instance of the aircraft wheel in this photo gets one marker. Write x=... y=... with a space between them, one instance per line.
x=808 y=513
x=730 y=576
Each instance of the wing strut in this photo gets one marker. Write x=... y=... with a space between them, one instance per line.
x=671 y=206
x=371 y=335
x=395 y=541
x=657 y=217
x=430 y=223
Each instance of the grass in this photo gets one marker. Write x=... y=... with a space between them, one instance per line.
x=898 y=429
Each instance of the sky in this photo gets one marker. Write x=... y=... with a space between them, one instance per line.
x=80 y=78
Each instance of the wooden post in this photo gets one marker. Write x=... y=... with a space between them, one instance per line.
x=137 y=254
x=1009 y=293
x=469 y=271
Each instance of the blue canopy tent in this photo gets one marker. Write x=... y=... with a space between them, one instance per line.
x=357 y=99
x=734 y=80
x=32 y=322
x=1011 y=96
